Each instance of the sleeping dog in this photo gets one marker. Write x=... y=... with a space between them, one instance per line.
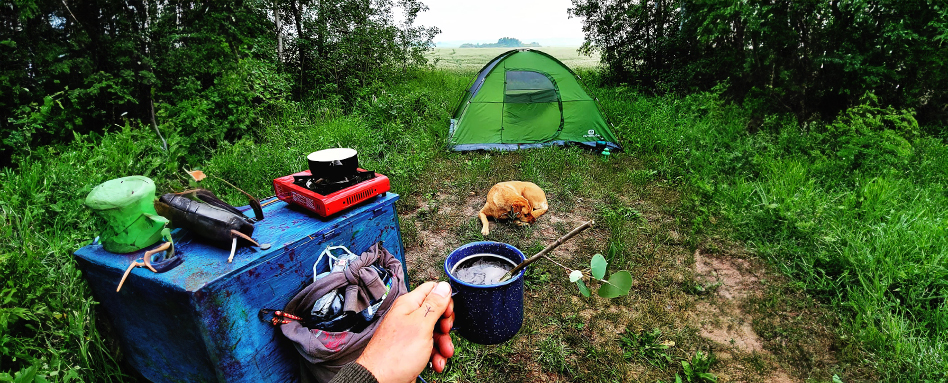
x=522 y=202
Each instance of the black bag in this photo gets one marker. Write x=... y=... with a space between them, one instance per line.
x=326 y=352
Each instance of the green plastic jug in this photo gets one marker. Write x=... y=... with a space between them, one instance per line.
x=127 y=205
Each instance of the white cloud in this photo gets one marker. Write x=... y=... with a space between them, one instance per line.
x=543 y=21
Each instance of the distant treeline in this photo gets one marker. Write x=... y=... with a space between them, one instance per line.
x=205 y=69
x=813 y=59
x=503 y=42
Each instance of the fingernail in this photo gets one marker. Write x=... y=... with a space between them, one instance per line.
x=443 y=289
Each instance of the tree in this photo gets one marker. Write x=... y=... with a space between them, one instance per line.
x=811 y=58
x=203 y=68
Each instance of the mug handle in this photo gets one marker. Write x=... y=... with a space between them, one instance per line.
x=453 y=293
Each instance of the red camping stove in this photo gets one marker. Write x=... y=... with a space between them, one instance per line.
x=326 y=198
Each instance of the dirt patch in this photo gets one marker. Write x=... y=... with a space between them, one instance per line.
x=711 y=299
x=727 y=327
x=736 y=276
x=722 y=318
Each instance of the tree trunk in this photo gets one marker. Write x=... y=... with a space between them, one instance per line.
x=298 y=17
x=279 y=30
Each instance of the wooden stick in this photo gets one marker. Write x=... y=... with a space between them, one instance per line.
x=543 y=252
x=254 y=204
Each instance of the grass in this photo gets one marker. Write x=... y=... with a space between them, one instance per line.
x=860 y=251
x=471 y=60
x=646 y=345
x=867 y=237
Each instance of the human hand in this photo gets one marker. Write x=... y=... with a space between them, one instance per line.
x=414 y=331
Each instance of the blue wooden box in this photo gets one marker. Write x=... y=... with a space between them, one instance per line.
x=198 y=322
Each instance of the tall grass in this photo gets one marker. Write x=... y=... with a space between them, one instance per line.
x=854 y=209
x=48 y=318
x=47 y=315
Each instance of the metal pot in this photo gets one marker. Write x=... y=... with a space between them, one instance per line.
x=333 y=164
x=487 y=314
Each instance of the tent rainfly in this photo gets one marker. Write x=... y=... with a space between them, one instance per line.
x=527 y=99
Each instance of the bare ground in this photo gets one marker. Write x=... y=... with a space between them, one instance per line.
x=702 y=292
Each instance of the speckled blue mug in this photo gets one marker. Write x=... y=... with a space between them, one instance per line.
x=487 y=314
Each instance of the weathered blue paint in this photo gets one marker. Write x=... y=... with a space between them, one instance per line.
x=198 y=322
x=487 y=314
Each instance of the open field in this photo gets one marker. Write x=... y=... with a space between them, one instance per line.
x=696 y=292
x=779 y=199
x=473 y=59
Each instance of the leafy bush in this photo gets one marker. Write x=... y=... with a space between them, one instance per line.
x=206 y=70
x=870 y=138
x=813 y=59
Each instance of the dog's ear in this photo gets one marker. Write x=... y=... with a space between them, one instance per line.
x=517 y=209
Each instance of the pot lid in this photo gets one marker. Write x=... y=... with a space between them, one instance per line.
x=333 y=154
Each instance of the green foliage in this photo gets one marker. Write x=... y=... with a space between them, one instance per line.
x=851 y=209
x=867 y=137
x=696 y=370
x=207 y=70
x=31 y=120
x=813 y=59
x=552 y=354
x=598 y=266
x=619 y=283
x=345 y=45
x=583 y=289
x=646 y=345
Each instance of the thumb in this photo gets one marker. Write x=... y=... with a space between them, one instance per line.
x=435 y=303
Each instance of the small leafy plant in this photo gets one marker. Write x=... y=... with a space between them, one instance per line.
x=618 y=284
x=696 y=371
x=702 y=289
x=646 y=345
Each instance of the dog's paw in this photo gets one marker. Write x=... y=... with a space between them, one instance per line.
x=485 y=231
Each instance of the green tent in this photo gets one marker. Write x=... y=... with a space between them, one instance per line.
x=525 y=99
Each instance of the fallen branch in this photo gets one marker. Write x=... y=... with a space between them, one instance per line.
x=543 y=252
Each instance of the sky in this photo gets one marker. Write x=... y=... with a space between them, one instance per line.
x=483 y=21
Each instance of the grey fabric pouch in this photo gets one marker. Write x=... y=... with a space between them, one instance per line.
x=324 y=352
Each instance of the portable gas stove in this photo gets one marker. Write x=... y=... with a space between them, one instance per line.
x=326 y=197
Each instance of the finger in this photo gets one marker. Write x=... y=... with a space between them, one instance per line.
x=438 y=362
x=445 y=324
x=449 y=312
x=444 y=345
x=413 y=300
x=434 y=305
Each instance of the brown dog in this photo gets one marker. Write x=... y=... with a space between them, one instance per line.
x=522 y=202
